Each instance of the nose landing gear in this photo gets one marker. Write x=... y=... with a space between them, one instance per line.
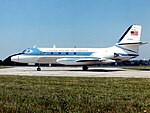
x=39 y=69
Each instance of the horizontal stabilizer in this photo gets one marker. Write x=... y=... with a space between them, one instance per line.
x=135 y=43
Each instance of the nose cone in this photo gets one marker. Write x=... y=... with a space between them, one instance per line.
x=15 y=58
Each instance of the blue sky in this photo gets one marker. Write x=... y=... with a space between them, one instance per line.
x=69 y=23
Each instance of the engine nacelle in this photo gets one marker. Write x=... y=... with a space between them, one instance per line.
x=104 y=54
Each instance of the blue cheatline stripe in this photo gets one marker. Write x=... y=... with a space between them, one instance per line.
x=128 y=54
x=60 y=53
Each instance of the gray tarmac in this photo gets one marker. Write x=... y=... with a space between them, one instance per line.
x=76 y=72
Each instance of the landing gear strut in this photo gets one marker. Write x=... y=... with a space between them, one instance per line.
x=39 y=69
x=85 y=68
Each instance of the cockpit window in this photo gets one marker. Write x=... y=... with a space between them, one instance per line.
x=26 y=51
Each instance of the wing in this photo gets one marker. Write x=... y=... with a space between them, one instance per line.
x=78 y=61
x=88 y=60
x=75 y=61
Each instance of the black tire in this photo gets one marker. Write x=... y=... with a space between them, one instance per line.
x=85 y=68
x=38 y=69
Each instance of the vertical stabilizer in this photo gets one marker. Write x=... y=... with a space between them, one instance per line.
x=132 y=35
x=130 y=40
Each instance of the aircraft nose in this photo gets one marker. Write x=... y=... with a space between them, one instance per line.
x=15 y=58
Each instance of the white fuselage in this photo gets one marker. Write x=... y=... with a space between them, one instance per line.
x=72 y=56
x=127 y=47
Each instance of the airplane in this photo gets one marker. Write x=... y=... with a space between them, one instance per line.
x=126 y=48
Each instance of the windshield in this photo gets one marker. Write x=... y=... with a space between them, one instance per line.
x=26 y=51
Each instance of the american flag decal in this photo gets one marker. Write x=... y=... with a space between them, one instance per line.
x=134 y=33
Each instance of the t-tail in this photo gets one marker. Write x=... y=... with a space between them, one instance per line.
x=130 y=40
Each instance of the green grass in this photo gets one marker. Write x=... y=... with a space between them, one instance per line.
x=144 y=68
x=2 y=67
x=25 y=94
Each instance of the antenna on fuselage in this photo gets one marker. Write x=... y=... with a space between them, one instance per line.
x=54 y=46
x=34 y=46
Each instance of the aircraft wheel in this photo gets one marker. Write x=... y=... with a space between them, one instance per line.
x=85 y=68
x=38 y=69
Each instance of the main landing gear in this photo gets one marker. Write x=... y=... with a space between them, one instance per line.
x=85 y=68
x=39 y=69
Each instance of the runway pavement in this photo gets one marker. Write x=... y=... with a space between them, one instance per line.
x=75 y=72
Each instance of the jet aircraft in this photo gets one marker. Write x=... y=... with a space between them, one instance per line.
x=126 y=48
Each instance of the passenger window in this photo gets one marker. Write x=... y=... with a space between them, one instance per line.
x=44 y=53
